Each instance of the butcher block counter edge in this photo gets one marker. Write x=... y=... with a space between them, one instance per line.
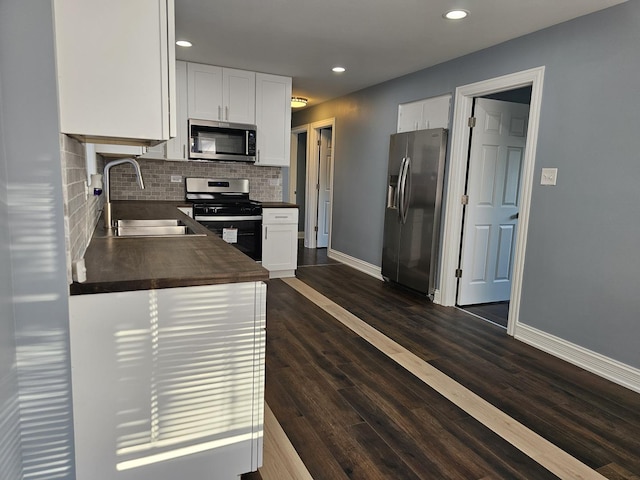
x=126 y=264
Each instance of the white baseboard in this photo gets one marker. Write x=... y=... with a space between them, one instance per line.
x=593 y=362
x=356 y=263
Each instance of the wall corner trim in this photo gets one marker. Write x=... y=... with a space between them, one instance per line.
x=603 y=366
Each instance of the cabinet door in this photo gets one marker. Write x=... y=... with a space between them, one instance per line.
x=115 y=63
x=167 y=383
x=424 y=114
x=176 y=148
x=273 y=119
x=238 y=96
x=204 y=91
x=280 y=247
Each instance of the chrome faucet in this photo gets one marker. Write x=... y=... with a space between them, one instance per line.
x=107 y=204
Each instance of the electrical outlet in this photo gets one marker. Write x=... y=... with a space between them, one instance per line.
x=176 y=178
x=549 y=176
x=274 y=182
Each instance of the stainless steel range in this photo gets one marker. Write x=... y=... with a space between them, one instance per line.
x=223 y=206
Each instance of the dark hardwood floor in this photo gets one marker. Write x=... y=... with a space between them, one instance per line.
x=497 y=312
x=351 y=412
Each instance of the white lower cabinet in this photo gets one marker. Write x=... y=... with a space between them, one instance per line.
x=169 y=383
x=280 y=241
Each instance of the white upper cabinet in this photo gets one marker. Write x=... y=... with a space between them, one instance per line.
x=273 y=119
x=176 y=148
x=222 y=94
x=116 y=70
x=424 y=114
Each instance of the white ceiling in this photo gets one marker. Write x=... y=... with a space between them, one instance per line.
x=376 y=40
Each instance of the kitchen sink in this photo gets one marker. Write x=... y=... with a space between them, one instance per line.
x=153 y=228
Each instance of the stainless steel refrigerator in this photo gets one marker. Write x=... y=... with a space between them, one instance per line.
x=412 y=214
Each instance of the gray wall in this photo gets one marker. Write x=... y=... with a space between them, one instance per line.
x=581 y=268
x=10 y=457
x=38 y=284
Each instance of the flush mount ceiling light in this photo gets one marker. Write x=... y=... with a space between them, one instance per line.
x=338 y=69
x=184 y=43
x=457 y=14
x=298 y=102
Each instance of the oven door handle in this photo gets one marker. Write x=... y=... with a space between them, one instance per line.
x=231 y=218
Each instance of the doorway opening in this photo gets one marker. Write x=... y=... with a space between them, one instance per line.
x=460 y=177
x=311 y=181
x=490 y=214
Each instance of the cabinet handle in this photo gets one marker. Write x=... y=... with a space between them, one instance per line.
x=184 y=151
x=226 y=113
x=258 y=156
x=266 y=232
x=219 y=112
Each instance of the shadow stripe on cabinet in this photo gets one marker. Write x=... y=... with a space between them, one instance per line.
x=527 y=441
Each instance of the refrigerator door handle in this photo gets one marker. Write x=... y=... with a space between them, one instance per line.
x=406 y=193
x=401 y=188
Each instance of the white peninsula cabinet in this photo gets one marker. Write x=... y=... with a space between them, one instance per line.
x=221 y=94
x=169 y=383
x=273 y=119
x=280 y=241
x=115 y=63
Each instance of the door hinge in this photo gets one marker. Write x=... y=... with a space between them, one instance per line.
x=472 y=122
x=319 y=142
x=464 y=200
x=315 y=229
x=458 y=273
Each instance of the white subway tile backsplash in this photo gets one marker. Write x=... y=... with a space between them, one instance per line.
x=158 y=186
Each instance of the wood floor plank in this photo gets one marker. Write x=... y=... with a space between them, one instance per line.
x=281 y=461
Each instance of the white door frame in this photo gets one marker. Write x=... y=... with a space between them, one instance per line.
x=311 y=194
x=293 y=160
x=457 y=175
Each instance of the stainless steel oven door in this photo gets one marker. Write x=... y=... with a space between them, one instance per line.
x=244 y=232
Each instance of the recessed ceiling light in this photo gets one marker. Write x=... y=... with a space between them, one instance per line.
x=338 y=69
x=184 y=43
x=457 y=14
x=298 y=102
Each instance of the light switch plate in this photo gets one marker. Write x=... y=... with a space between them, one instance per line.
x=549 y=176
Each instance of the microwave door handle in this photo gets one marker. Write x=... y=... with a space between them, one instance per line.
x=246 y=142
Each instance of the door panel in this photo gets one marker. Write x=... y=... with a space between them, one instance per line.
x=490 y=228
x=324 y=188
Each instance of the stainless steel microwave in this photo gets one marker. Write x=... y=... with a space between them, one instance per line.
x=211 y=140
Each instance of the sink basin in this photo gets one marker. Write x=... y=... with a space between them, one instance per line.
x=153 y=228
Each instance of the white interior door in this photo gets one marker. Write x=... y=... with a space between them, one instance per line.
x=324 y=187
x=491 y=216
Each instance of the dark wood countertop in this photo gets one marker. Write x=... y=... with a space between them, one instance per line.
x=123 y=264
x=278 y=205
